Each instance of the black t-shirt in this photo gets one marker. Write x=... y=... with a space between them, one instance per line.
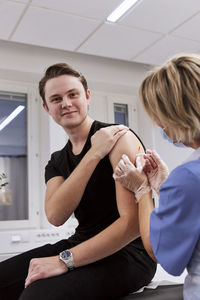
x=97 y=208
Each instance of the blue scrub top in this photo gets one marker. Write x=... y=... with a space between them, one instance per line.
x=175 y=224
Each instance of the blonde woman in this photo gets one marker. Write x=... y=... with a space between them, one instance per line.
x=171 y=232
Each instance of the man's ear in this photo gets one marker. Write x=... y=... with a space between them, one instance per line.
x=88 y=95
x=45 y=107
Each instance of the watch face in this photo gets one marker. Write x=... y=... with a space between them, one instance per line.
x=65 y=254
x=67 y=257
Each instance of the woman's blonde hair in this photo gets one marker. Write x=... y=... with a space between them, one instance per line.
x=170 y=95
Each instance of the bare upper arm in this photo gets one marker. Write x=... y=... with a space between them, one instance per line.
x=128 y=144
x=52 y=186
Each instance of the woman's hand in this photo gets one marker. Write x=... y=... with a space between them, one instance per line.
x=43 y=268
x=104 y=139
x=132 y=177
x=155 y=169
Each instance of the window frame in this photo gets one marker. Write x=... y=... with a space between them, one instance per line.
x=33 y=220
x=131 y=102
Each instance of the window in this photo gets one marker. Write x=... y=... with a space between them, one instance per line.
x=19 y=158
x=122 y=109
x=13 y=156
x=121 y=114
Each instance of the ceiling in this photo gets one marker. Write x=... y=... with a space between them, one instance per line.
x=149 y=33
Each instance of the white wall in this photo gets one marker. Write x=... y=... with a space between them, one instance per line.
x=153 y=139
x=27 y=63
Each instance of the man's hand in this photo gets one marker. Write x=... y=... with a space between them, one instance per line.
x=104 y=139
x=44 y=267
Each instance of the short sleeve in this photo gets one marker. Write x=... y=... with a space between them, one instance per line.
x=175 y=224
x=51 y=170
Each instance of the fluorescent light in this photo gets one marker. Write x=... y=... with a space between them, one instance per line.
x=120 y=10
x=11 y=116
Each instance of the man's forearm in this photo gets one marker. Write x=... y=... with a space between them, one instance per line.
x=110 y=240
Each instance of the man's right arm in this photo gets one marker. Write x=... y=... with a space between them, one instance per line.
x=63 y=196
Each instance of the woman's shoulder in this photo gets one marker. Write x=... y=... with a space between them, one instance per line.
x=188 y=170
x=183 y=182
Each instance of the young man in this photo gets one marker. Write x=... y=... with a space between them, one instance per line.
x=105 y=258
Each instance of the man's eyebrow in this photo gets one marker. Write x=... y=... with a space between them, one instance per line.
x=72 y=90
x=53 y=96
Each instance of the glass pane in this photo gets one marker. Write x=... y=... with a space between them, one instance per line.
x=13 y=157
x=121 y=113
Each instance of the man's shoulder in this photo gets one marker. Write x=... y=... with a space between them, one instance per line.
x=129 y=139
x=59 y=155
x=98 y=125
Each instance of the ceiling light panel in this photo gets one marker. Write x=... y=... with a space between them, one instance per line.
x=121 y=10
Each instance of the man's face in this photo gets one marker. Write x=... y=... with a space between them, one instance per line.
x=66 y=101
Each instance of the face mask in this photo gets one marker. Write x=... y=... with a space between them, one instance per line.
x=165 y=137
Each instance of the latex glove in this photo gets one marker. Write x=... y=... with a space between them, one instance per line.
x=132 y=177
x=104 y=139
x=155 y=169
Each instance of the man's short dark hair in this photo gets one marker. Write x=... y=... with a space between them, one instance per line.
x=57 y=70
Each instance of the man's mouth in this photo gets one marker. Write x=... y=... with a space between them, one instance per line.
x=67 y=113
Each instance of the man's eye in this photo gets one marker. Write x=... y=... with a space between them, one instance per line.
x=73 y=95
x=56 y=99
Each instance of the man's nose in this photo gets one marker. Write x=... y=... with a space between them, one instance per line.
x=66 y=102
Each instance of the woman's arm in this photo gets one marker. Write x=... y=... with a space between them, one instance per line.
x=133 y=178
x=146 y=207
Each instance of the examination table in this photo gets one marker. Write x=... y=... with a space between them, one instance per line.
x=162 y=292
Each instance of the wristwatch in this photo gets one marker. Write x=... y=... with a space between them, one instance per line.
x=67 y=257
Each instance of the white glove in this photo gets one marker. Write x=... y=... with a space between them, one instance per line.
x=155 y=169
x=132 y=177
